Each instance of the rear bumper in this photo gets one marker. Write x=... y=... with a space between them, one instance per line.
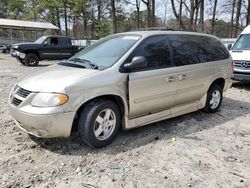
x=241 y=77
x=228 y=84
x=45 y=126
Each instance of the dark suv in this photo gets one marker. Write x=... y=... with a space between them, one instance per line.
x=46 y=47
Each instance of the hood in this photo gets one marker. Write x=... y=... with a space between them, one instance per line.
x=23 y=44
x=54 y=78
x=240 y=54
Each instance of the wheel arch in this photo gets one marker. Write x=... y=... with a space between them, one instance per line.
x=118 y=100
x=32 y=52
x=219 y=81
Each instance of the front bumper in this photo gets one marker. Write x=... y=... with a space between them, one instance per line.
x=241 y=77
x=45 y=126
x=17 y=54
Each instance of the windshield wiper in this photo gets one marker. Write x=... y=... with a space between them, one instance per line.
x=92 y=65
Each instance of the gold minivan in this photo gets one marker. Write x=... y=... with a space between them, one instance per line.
x=124 y=80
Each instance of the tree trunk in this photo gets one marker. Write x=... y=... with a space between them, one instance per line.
x=238 y=11
x=58 y=20
x=213 y=18
x=248 y=14
x=113 y=9
x=153 y=13
x=232 y=19
x=147 y=3
x=191 y=19
x=202 y=15
x=65 y=18
x=98 y=2
x=178 y=17
x=138 y=13
x=196 y=17
x=92 y=24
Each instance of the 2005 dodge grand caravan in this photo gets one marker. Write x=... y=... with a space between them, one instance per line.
x=129 y=80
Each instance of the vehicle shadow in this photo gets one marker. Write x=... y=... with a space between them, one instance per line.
x=242 y=85
x=184 y=126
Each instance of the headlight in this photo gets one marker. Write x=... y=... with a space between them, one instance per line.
x=20 y=54
x=49 y=99
x=14 y=46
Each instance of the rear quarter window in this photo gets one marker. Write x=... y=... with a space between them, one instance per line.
x=65 y=41
x=215 y=50
x=193 y=49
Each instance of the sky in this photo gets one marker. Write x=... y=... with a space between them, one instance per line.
x=160 y=9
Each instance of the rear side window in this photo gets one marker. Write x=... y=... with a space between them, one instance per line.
x=193 y=49
x=156 y=50
x=65 y=41
x=215 y=50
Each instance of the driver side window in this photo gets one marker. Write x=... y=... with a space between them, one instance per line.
x=156 y=51
x=51 y=41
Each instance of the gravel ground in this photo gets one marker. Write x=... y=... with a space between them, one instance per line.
x=194 y=150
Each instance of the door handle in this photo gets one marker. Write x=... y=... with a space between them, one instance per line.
x=171 y=79
x=182 y=77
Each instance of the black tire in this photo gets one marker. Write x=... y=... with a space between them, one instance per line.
x=214 y=107
x=88 y=122
x=31 y=60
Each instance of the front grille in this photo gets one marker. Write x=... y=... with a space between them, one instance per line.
x=242 y=65
x=23 y=92
x=19 y=94
x=15 y=101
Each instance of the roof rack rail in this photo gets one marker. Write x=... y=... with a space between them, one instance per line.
x=155 y=29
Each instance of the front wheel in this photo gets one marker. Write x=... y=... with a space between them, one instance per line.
x=31 y=60
x=21 y=61
x=214 y=99
x=99 y=123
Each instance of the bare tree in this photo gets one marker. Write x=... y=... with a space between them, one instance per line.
x=153 y=13
x=202 y=14
x=178 y=15
x=65 y=16
x=113 y=9
x=232 y=18
x=197 y=7
x=137 y=4
x=248 y=13
x=191 y=11
x=148 y=5
x=165 y=4
x=214 y=16
x=237 y=18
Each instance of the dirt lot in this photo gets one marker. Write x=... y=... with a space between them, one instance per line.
x=195 y=150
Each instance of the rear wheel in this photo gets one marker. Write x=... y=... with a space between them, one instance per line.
x=214 y=99
x=99 y=123
x=31 y=60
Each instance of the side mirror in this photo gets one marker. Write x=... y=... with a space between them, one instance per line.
x=229 y=46
x=138 y=62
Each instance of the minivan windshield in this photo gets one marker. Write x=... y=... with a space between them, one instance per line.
x=107 y=51
x=243 y=43
x=40 y=40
